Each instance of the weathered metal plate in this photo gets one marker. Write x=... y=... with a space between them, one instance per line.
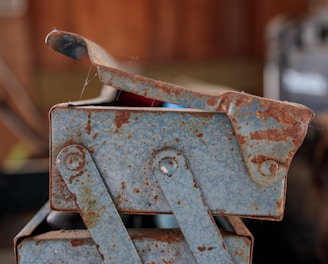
x=124 y=141
x=255 y=120
x=153 y=245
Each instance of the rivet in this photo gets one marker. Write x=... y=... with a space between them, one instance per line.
x=168 y=166
x=74 y=161
x=269 y=168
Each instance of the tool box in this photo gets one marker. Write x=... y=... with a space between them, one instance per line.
x=223 y=157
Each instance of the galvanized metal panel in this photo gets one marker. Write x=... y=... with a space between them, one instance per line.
x=153 y=245
x=123 y=143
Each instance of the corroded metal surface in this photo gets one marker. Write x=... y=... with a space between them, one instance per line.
x=280 y=125
x=152 y=245
x=227 y=154
x=123 y=142
x=96 y=206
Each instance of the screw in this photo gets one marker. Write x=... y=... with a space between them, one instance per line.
x=269 y=168
x=75 y=161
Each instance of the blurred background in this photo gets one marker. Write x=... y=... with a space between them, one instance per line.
x=264 y=47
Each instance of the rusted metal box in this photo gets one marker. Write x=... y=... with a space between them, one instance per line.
x=227 y=154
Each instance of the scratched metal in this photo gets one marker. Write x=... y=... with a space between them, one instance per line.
x=257 y=122
x=153 y=245
x=123 y=143
x=183 y=194
x=95 y=205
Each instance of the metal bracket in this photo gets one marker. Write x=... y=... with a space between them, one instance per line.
x=183 y=194
x=96 y=206
x=103 y=221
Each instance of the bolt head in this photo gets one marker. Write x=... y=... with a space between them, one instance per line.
x=74 y=161
x=168 y=166
x=269 y=168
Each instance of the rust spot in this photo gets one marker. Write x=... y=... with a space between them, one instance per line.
x=200 y=135
x=95 y=135
x=297 y=117
x=212 y=101
x=156 y=197
x=205 y=248
x=121 y=118
x=101 y=255
x=73 y=177
x=136 y=190
x=259 y=159
x=76 y=243
x=179 y=202
x=123 y=185
x=241 y=139
x=195 y=183
x=88 y=126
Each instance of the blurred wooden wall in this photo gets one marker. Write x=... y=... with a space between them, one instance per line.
x=156 y=31
x=160 y=30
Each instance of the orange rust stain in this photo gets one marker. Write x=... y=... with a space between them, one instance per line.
x=136 y=190
x=95 y=135
x=76 y=243
x=195 y=183
x=201 y=248
x=259 y=159
x=88 y=126
x=241 y=139
x=73 y=177
x=121 y=118
x=273 y=168
x=212 y=101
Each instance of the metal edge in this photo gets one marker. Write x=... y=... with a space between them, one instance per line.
x=28 y=230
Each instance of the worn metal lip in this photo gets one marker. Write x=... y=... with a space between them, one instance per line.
x=76 y=46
